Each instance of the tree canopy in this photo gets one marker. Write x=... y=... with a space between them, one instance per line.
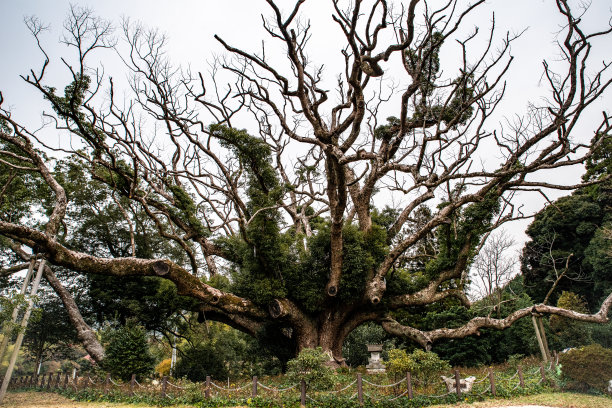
x=262 y=199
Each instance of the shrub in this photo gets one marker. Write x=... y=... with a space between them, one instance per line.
x=163 y=368
x=127 y=351
x=424 y=364
x=310 y=366
x=399 y=363
x=587 y=367
x=199 y=360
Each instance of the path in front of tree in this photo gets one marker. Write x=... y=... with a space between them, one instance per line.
x=52 y=400
x=546 y=400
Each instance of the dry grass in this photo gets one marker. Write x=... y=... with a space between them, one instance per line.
x=51 y=400
x=556 y=399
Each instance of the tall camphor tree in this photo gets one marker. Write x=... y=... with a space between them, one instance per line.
x=278 y=222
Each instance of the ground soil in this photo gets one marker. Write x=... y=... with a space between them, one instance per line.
x=51 y=400
x=546 y=400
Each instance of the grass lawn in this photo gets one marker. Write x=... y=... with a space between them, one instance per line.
x=551 y=399
x=562 y=400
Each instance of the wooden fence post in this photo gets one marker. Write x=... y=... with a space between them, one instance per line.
x=303 y=393
x=207 y=391
x=458 y=383
x=76 y=381
x=164 y=386
x=254 y=392
x=107 y=383
x=49 y=381
x=542 y=372
x=409 y=384
x=132 y=384
x=66 y=380
x=521 y=379
x=58 y=379
x=492 y=381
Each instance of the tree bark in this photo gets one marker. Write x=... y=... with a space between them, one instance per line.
x=85 y=334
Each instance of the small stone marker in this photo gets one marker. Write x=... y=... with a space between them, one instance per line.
x=465 y=384
x=374 y=363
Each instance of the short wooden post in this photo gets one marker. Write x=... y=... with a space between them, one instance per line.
x=254 y=392
x=458 y=383
x=132 y=384
x=303 y=393
x=492 y=381
x=556 y=354
x=66 y=381
x=58 y=379
x=76 y=381
x=107 y=383
x=164 y=386
x=360 y=388
x=49 y=381
x=521 y=379
x=409 y=384
x=542 y=373
x=207 y=391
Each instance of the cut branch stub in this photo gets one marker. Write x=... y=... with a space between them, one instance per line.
x=161 y=268
x=332 y=290
x=276 y=309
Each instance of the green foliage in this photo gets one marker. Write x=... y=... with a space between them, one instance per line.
x=361 y=253
x=199 y=360
x=398 y=363
x=575 y=226
x=50 y=334
x=262 y=256
x=217 y=350
x=127 y=351
x=310 y=366
x=69 y=107
x=185 y=210
x=7 y=306
x=587 y=367
x=425 y=365
x=571 y=333
x=355 y=348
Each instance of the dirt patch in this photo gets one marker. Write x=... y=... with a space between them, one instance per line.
x=51 y=400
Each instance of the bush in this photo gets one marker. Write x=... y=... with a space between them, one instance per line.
x=399 y=363
x=310 y=366
x=127 y=352
x=426 y=365
x=199 y=360
x=163 y=368
x=588 y=367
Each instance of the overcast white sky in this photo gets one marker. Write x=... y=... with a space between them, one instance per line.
x=190 y=26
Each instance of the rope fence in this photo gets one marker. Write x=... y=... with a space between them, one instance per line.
x=404 y=388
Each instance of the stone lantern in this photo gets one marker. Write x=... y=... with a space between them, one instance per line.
x=374 y=362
